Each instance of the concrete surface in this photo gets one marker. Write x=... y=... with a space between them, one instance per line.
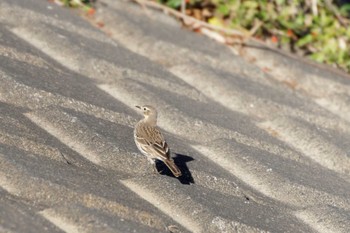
x=263 y=138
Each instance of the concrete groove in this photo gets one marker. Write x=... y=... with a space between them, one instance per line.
x=66 y=139
x=59 y=222
x=337 y=104
x=324 y=220
x=46 y=196
x=32 y=97
x=172 y=211
x=313 y=146
x=262 y=177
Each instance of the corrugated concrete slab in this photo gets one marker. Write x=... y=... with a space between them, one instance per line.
x=262 y=138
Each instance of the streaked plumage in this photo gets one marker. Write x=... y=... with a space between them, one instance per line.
x=150 y=141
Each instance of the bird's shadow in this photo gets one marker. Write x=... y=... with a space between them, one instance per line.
x=180 y=160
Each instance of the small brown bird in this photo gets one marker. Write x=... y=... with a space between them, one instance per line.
x=150 y=141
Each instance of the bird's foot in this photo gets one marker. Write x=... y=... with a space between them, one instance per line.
x=155 y=170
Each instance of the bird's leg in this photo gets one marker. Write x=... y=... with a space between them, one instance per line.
x=155 y=170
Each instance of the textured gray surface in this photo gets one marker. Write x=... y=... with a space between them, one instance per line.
x=262 y=138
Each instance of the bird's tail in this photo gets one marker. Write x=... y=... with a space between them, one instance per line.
x=173 y=168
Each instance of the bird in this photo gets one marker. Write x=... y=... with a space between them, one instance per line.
x=150 y=141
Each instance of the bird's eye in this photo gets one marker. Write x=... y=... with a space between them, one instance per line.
x=144 y=109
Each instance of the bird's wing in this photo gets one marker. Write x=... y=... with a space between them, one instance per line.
x=152 y=141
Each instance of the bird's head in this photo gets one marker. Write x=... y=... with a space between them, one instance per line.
x=148 y=111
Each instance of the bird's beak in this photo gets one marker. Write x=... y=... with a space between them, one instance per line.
x=138 y=106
